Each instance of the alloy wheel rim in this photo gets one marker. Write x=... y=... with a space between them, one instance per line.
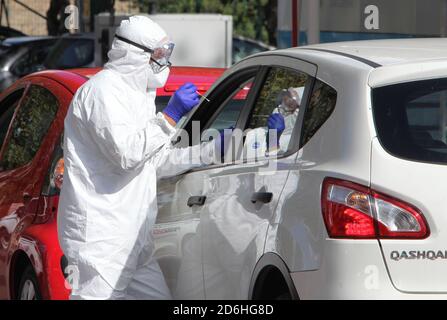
x=28 y=291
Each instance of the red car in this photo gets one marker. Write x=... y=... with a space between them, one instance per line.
x=32 y=113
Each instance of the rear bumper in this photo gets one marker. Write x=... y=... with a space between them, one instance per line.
x=351 y=270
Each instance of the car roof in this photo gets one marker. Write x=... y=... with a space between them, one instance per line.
x=82 y=35
x=390 y=52
x=203 y=78
x=14 y=41
x=381 y=62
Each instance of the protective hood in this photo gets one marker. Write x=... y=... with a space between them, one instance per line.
x=132 y=63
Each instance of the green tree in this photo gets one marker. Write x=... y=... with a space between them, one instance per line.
x=255 y=19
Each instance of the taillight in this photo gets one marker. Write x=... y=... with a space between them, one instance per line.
x=352 y=211
x=58 y=174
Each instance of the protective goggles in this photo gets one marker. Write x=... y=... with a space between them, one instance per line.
x=159 y=56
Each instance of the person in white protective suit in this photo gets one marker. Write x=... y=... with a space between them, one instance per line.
x=282 y=119
x=289 y=108
x=115 y=147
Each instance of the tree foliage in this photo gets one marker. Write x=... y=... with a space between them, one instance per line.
x=252 y=18
x=29 y=127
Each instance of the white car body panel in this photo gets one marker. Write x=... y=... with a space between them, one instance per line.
x=177 y=235
x=408 y=72
x=421 y=184
x=235 y=228
x=231 y=235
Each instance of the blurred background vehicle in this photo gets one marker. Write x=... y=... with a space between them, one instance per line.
x=20 y=56
x=6 y=32
x=72 y=51
x=244 y=47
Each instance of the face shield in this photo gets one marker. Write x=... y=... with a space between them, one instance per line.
x=160 y=55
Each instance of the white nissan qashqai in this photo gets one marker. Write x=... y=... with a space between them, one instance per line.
x=352 y=204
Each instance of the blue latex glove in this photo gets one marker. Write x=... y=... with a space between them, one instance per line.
x=183 y=100
x=275 y=122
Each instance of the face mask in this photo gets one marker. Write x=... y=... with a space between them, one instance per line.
x=157 y=80
x=287 y=109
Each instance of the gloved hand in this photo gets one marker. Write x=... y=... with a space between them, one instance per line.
x=183 y=100
x=275 y=122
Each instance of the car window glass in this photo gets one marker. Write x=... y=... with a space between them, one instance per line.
x=411 y=119
x=29 y=127
x=31 y=60
x=161 y=102
x=230 y=111
x=228 y=115
x=281 y=93
x=322 y=103
x=71 y=53
x=7 y=108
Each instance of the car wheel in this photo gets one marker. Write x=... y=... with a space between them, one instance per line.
x=28 y=288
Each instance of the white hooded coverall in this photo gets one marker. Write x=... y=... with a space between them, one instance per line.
x=115 y=147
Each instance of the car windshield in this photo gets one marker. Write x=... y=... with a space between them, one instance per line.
x=242 y=49
x=411 y=119
x=6 y=52
x=71 y=53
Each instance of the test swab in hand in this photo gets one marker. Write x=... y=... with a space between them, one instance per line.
x=203 y=96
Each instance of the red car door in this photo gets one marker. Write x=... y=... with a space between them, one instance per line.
x=37 y=121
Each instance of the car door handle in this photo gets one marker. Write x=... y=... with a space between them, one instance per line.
x=264 y=197
x=196 y=201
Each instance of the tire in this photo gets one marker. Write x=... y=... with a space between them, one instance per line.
x=28 y=286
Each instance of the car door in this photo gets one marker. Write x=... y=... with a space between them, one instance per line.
x=241 y=197
x=7 y=107
x=178 y=230
x=37 y=121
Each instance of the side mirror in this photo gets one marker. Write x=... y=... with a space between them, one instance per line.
x=38 y=67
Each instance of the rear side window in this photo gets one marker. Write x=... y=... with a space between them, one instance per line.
x=29 y=127
x=411 y=119
x=281 y=93
x=7 y=108
x=321 y=105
